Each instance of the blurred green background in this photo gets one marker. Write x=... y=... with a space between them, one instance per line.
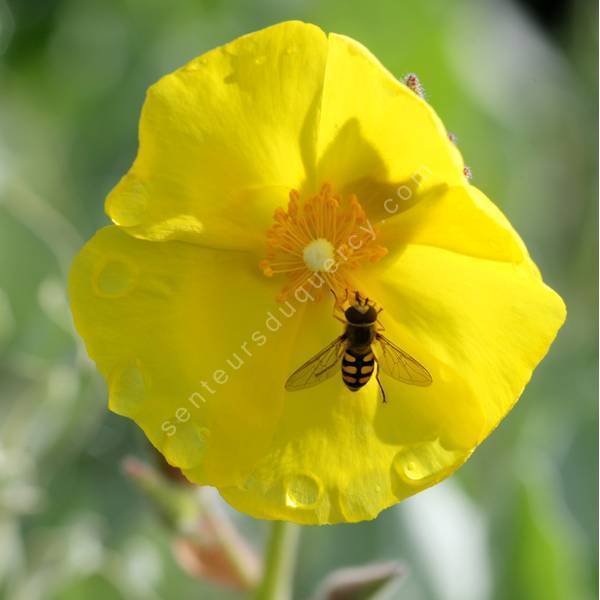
x=515 y=81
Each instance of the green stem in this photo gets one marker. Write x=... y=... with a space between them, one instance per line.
x=280 y=561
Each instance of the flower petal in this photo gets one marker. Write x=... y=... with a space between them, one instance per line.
x=375 y=129
x=489 y=323
x=459 y=218
x=341 y=456
x=159 y=319
x=223 y=139
x=480 y=327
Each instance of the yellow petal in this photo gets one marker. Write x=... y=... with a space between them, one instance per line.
x=341 y=456
x=459 y=218
x=487 y=322
x=159 y=319
x=374 y=129
x=223 y=139
x=480 y=327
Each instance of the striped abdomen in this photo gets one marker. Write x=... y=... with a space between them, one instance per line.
x=357 y=368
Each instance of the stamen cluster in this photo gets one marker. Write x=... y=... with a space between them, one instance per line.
x=324 y=235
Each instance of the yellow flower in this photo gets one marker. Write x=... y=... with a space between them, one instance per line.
x=270 y=169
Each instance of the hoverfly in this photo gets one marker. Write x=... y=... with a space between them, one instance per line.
x=354 y=348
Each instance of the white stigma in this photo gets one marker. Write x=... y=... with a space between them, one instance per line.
x=318 y=255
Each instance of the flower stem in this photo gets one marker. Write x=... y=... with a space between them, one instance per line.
x=280 y=561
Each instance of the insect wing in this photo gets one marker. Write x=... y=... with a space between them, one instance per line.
x=401 y=366
x=319 y=368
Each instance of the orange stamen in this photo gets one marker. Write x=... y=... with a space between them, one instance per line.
x=323 y=234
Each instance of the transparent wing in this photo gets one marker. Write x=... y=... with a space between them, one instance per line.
x=319 y=368
x=401 y=366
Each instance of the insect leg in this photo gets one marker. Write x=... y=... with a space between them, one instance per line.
x=379 y=383
x=336 y=305
x=339 y=318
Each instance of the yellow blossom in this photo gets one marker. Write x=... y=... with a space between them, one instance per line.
x=284 y=164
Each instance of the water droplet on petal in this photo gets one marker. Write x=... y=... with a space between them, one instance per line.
x=303 y=491
x=412 y=469
x=114 y=279
x=426 y=463
x=187 y=446
x=127 y=390
x=260 y=60
x=127 y=204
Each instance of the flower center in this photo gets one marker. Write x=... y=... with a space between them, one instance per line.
x=320 y=242
x=318 y=255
